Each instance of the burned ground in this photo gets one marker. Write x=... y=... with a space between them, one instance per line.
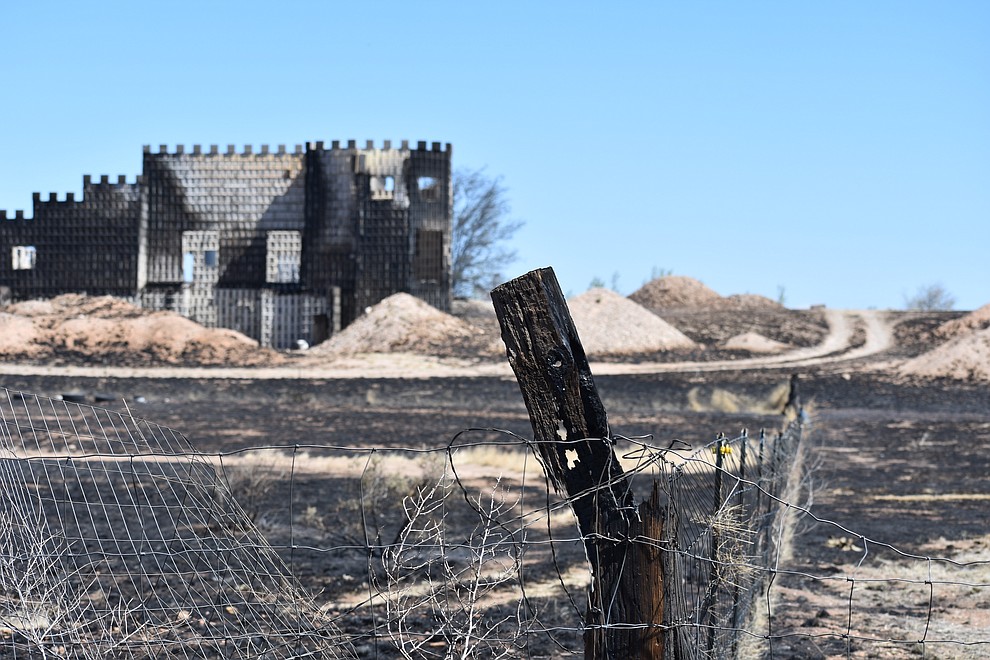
x=897 y=462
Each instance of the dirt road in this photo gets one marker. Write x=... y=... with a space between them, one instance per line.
x=836 y=347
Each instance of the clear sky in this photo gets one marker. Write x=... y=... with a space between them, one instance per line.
x=840 y=150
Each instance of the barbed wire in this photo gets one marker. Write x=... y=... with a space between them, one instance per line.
x=118 y=538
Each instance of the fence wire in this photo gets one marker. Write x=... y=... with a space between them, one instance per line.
x=118 y=539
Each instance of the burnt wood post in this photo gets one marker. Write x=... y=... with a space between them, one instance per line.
x=574 y=444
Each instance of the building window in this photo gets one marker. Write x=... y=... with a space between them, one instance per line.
x=382 y=187
x=200 y=256
x=283 y=257
x=429 y=187
x=24 y=257
x=188 y=266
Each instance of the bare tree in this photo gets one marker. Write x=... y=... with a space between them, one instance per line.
x=481 y=229
x=930 y=298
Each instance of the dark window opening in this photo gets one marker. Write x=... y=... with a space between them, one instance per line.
x=429 y=187
x=321 y=328
x=428 y=261
x=210 y=258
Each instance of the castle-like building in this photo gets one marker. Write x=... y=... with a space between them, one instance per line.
x=280 y=246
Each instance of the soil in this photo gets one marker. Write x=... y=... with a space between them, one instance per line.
x=675 y=291
x=712 y=320
x=402 y=322
x=976 y=320
x=926 y=439
x=964 y=357
x=74 y=329
x=897 y=460
x=610 y=324
x=916 y=333
x=713 y=327
x=754 y=342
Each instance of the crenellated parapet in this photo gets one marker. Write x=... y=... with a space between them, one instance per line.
x=105 y=184
x=229 y=150
x=351 y=145
x=100 y=188
x=297 y=150
x=13 y=216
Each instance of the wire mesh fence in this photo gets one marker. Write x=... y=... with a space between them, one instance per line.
x=119 y=539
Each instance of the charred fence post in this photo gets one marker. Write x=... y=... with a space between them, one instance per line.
x=741 y=491
x=570 y=426
x=708 y=614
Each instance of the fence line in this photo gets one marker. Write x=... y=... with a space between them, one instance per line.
x=119 y=539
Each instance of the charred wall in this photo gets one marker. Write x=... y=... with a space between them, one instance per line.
x=88 y=245
x=240 y=196
x=276 y=244
x=378 y=222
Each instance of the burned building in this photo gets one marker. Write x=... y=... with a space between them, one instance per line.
x=279 y=245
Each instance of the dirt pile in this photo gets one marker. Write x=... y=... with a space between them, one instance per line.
x=713 y=320
x=966 y=354
x=965 y=357
x=403 y=322
x=675 y=291
x=478 y=313
x=679 y=292
x=82 y=329
x=610 y=324
x=32 y=308
x=973 y=321
x=749 y=301
x=754 y=342
x=18 y=336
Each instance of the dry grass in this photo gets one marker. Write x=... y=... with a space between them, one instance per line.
x=936 y=497
x=721 y=400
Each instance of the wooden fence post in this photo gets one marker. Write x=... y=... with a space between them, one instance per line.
x=570 y=425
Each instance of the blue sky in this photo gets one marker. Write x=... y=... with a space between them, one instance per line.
x=840 y=150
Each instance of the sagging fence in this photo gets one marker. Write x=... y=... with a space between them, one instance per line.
x=119 y=539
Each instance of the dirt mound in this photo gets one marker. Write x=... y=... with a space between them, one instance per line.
x=31 y=308
x=610 y=324
x=754 y=342
x=675 y=291
x=966 y=357
x=104 y=307
x=973 y=321
x=161 y=337
x=679 y=292
x=78 y=328
x=712 y=320
x=749 y=301
x=474 y=311
x=17 y=336
x=401 y=322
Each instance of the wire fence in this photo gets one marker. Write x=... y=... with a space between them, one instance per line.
x=118 y=539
